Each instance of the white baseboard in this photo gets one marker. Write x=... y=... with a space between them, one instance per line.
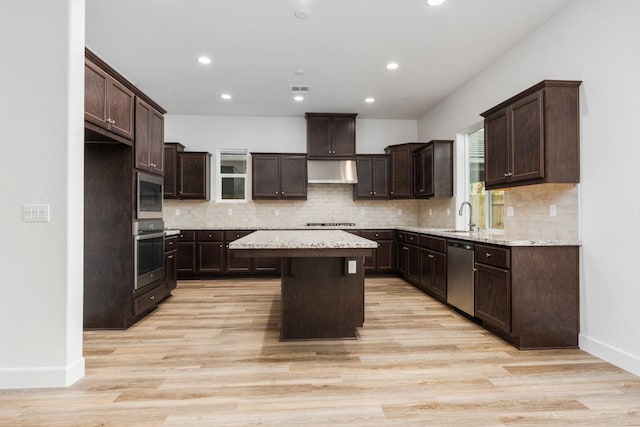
x=622 y=359
x=42 y=377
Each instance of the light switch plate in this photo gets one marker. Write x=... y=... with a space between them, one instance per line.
x=553 y=210
x=511 y=211
x=35 y=213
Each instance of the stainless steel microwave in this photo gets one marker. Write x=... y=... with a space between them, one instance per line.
x=149 y=193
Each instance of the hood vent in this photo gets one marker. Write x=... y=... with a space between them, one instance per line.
x=332 y=172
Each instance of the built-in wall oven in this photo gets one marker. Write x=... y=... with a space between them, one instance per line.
x=148 y=239
x=149 y=194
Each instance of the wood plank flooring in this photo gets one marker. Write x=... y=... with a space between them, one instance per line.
x=210 y=356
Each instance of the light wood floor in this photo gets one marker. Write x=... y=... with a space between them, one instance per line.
x=211 y=357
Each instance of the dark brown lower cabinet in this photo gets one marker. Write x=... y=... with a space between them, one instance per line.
x=528 y=295
x=210 y=257
x=170 y=251
x=433 y=273
x=186 y=255
x=382 y=258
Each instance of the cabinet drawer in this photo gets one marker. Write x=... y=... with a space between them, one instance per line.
x=434 y=243
x=150 y=298
x=170 y=243
x=493 y=255
x=230 y=236
x=377 y=234
x=186 y=236
x=209 y=236
x=412 y=238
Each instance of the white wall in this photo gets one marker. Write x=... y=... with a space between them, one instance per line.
x=276 y=134
x=42 y=45
x=596 y=42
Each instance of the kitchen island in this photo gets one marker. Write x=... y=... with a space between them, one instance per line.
x=322 y=279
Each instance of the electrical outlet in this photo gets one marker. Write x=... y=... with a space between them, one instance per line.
x=399 y=212
x=362 y=212
x=448 y=212
x=277 y=212
x=430 y=211
x=229 y=211
x=35 y=213
x=511 y=211
x=352 y=266
x=553 y=210
x=177 y=212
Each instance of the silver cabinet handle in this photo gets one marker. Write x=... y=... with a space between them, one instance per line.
x=430 y=256
x=152 y=297
x=209 y=235
x=488 y=255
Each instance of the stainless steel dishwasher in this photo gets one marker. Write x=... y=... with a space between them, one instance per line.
x=460 y=275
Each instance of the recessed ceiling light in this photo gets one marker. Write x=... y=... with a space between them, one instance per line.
x=435 y=2
x=369 y=100
x=301 y=13
x=204 y=60
x=225 y=96
x=392 y=65
x=300 y=72
x=298 y=98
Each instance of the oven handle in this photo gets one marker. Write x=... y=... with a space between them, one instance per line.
x=148 y=236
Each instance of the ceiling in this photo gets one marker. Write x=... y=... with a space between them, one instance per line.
x=341 y=47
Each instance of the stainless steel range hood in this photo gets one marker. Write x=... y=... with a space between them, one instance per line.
x=332 y=172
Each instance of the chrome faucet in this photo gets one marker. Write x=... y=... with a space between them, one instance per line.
x=471 y=224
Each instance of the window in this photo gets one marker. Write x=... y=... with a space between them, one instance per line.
x=488 y=206
x=232 y=175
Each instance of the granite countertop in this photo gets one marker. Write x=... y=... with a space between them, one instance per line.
x=168 y=233
x=302 y=239
x=504 y=239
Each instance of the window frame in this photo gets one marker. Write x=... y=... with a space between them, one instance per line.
x=219 y=175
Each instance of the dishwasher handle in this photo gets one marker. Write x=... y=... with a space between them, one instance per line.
x=462 y=244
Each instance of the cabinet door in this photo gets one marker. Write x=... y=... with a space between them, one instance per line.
x=384 y=255
x=186 y=257
x=439 y=277
x=266 y=176
x=370 y=261
x=413 y=264
x=293 y=174
x=493 y=296
x=210 y=257
x=193 y=175
x=171 y=275
x=364 y=188
x=401 y=177
x=143 y=135
x=527 y=138
x=156 y=142
x=233 y=263
x=426 y=270
x=380 y=181
x=95 y=95
x=343 y=136
x=170 y=170
x=319 y=136
x=120 y=108
x=496 y=149
x=427 y=166
x=402 y=253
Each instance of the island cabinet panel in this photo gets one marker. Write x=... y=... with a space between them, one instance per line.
x=534 y=137
x=401 y=171
x=528 y=295
x=149 y=141
x=279 y=176
x=331 y=135
x=319 y=300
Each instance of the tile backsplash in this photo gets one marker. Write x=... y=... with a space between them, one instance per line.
x=325 y=203
x=334 y=203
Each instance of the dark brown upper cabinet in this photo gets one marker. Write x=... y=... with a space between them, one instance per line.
x=149 y=141
x=534 y=137
x=108 y=104
x=401 y=182
x=331 y=135
x=171 y=150
x=279 y=176
x=433 y=170
x=194 y=175
x=373 y=177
